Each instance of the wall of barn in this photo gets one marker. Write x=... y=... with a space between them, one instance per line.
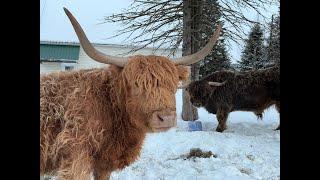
x=85 y=62
x=48 y=67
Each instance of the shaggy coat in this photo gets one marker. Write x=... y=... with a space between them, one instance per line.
x=253 y=91
x=95 y=121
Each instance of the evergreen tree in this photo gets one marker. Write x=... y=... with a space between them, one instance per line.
x=273 y=47
x=218 y=59
x=253 y=54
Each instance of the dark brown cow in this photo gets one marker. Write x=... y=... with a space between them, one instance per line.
x=225 y=91
x=96 y=120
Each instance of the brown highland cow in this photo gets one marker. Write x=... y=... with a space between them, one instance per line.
x=225 y=91
x=95 y=121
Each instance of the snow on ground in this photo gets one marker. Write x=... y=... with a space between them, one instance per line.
x=248 y=149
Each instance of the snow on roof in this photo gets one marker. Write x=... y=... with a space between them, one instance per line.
x=73 y=43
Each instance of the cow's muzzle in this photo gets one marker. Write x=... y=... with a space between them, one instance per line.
x=163 y=121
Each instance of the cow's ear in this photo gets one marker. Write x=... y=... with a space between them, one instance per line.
x=184 y=72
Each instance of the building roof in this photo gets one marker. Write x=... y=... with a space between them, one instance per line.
x=73 y=43
x=59 y=43
x=66 y=51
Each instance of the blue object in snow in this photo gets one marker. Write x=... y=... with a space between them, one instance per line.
x=195 y=126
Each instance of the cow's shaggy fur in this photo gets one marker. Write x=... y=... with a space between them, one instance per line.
x=95 y=121
x=253 y=91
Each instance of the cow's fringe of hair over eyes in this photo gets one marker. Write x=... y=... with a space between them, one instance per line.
x=141 y=69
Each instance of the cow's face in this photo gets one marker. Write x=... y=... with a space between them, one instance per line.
x=199 y=93
x=152 y=82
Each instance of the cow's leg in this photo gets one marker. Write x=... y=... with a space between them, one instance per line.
x=259 y=114
x=222 y=116
x=101 y=174
x=278 y=109
x=101 y=170
x=76 y=167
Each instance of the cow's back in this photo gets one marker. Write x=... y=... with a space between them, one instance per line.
x=256 y=89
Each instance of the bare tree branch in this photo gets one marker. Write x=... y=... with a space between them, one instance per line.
x=159 y=22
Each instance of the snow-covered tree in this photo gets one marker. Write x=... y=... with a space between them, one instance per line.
x=253 y=55
x=218 y=59
x=273 y=45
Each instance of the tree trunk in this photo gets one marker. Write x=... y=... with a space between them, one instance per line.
x=191 y=44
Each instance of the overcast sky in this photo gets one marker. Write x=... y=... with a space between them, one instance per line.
x=55 y=26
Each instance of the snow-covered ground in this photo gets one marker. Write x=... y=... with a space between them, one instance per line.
x=248 y=149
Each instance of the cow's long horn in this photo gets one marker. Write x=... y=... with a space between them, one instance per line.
x=216 y=83
x=193 y=58
x=89 y=49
